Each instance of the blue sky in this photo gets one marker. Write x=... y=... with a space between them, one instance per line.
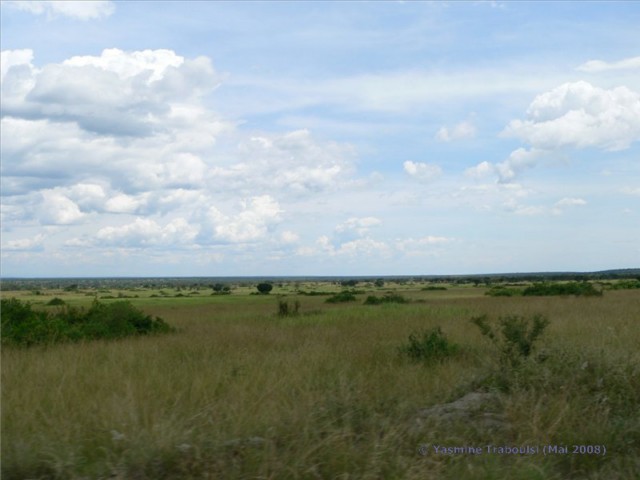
x=319 y=138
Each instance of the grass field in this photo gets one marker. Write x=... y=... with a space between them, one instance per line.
x=240 y=392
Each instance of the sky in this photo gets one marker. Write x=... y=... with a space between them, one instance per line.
x=318 y=138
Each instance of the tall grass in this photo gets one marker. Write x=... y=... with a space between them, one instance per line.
x=242 y=393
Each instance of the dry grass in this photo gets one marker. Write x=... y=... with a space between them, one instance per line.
x=325 y=392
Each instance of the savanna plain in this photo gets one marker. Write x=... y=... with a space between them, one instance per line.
x=285 y=385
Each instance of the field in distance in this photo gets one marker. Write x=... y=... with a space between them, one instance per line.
x=248 y=389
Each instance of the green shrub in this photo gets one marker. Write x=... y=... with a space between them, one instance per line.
x=56 y=301
x=514 y=335
x=428 y=346
x=624 y=285
x=264 y=288
x=585 y=289
x=433 y=288
x=388 y=298
x=23 y=326
x=341 y=297
x=502 y=291
x=285 y=309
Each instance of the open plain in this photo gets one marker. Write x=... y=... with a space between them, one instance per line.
x=242 y=390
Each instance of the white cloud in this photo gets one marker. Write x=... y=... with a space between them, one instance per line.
x=353 y=248
x=123 y=203
x=595 y=66
x=147 y=232
x=251 y=224
x=288 y=237
x=570 y=202
x=80 y=10
x=358 y=225
x=57 y=209
x=460 y=131
x=420 y=244
x=518 y=160
x=567 y=202
x=13 y=58
x=293 y=161
x=29 y=244
x=481 y=170
x=580 y=115
x=422 y=171
x=117 y=93
x=363 y=246
x=631 y=191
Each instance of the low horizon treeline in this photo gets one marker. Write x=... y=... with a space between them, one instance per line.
x=345 y=280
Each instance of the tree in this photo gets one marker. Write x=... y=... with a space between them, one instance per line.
x=264 y=288
x=379 y=283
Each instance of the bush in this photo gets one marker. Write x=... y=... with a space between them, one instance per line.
x=571 y=288
x=56 y=301
x=285 y=310
x=341 y=297
x=388 y=298
x=264 y=288
x=23 y=326
x=514 y=336
x=433 y=288
x=428 y=346
x=624 y=285
x=501 y=291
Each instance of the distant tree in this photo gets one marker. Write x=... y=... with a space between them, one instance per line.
x=379 y=283
x=349 y=283
x=264 y=288
x=218 y=287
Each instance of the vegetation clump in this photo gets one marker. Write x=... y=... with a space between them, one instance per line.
x=433 y=288
x=264 y=288
x=56 y=301
x=428 y=346
x=387 y=298
x=584 y=289
x=624 y=285
x=514 y=335
x=341 y=297
x=502 y=291
x=23 y=326
x=285 y=309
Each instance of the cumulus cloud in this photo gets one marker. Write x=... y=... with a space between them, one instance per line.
x=460 y=131
x=145 y=232
x=570 y=202
x=422 y=171
x=12 y=58
x=360 y=226
x=87 y=10
x=117 y=93
x=58 y=209
x=567 y=202
x=596 y=66
x=251 y=224
x=420 y=244
x=28 y=244
x=352 y=248
x=289 y=237
x=580 y=115
x=518 y=160
x=481 y=170
x=293 y=161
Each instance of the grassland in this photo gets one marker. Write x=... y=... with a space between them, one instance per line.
x=240 y=392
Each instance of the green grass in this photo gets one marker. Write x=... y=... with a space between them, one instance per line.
x=240 y=392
